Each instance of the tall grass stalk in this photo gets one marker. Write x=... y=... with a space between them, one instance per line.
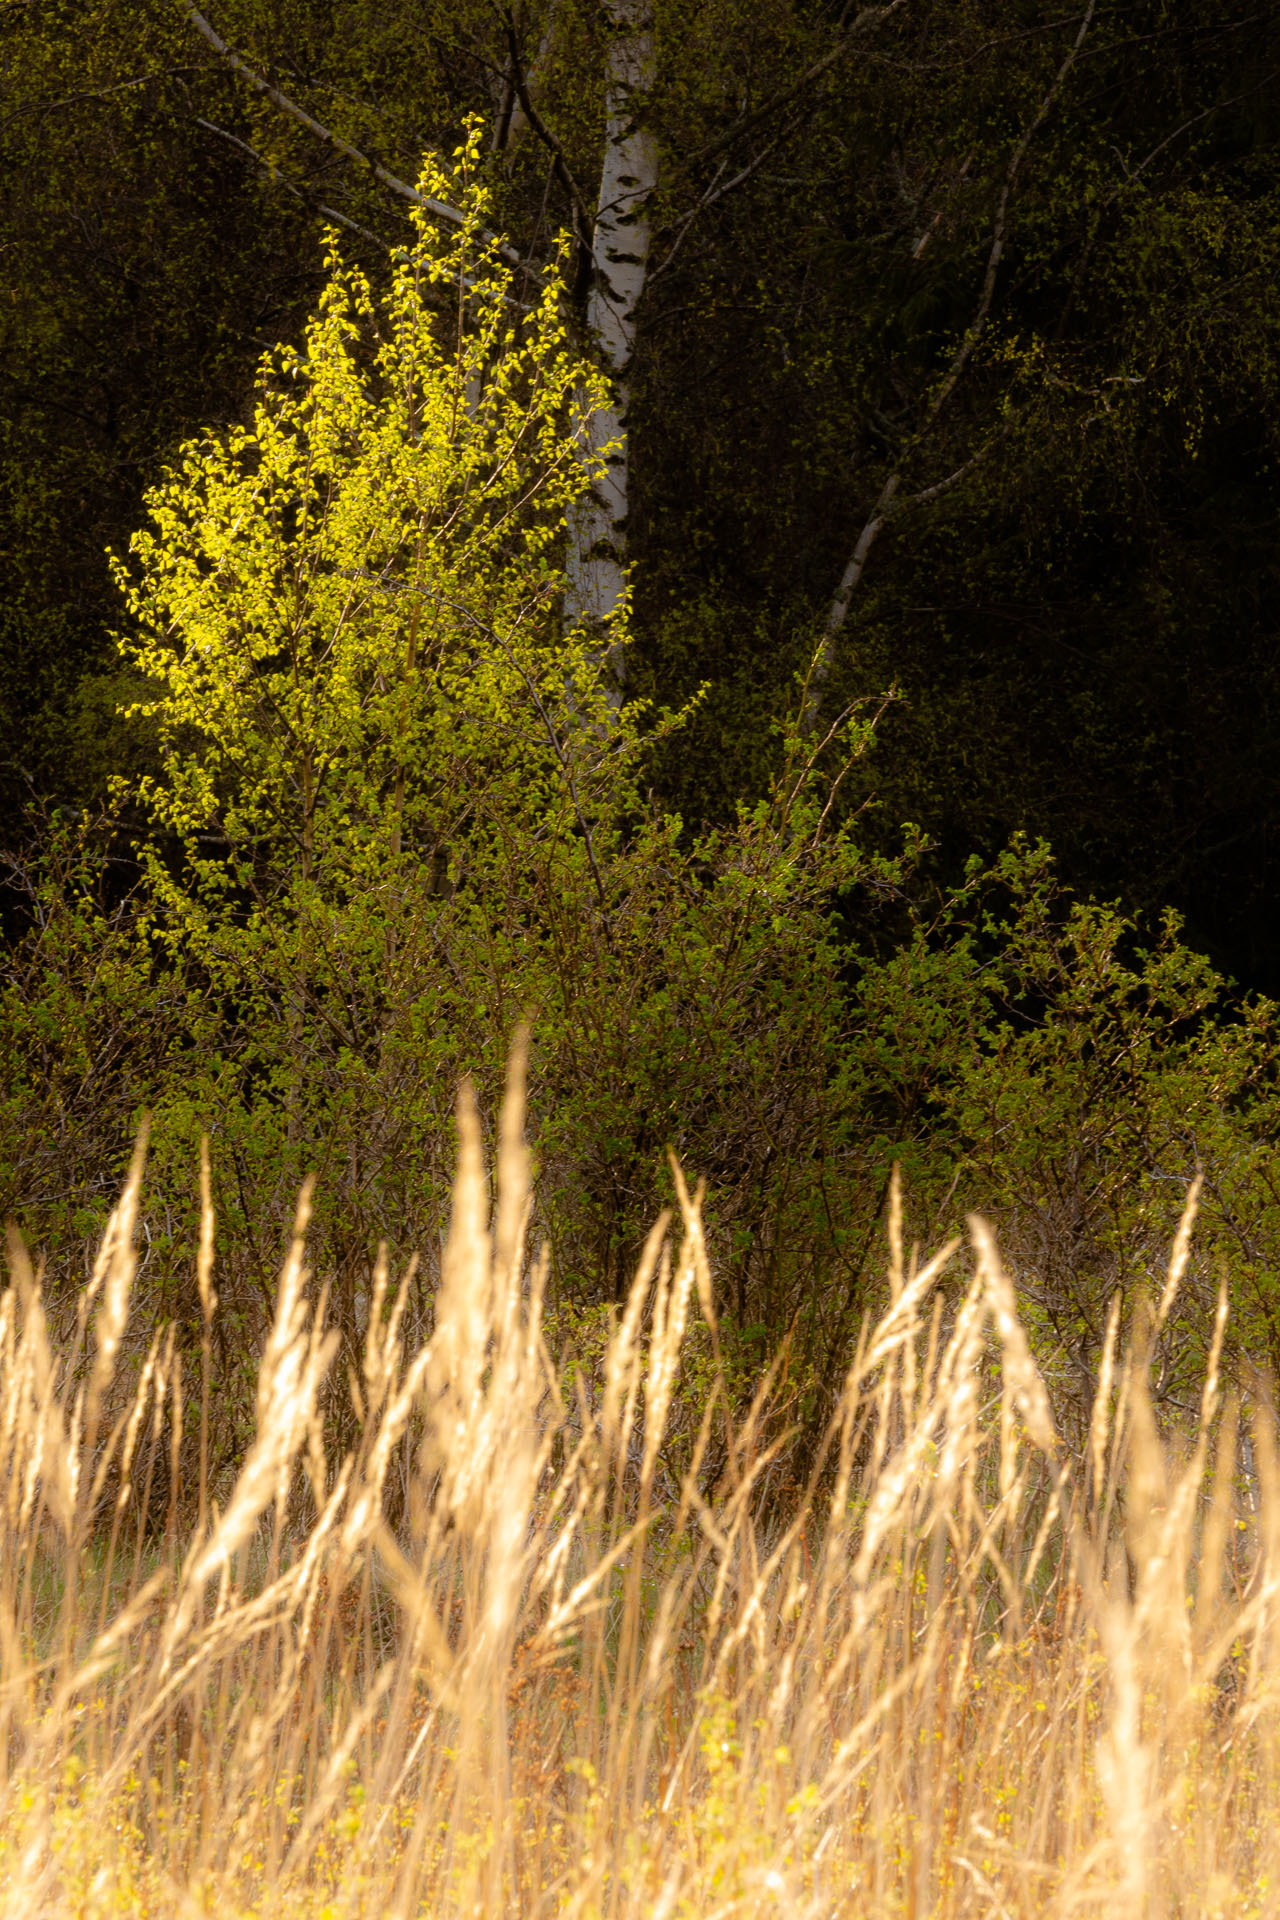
x=615 y=1643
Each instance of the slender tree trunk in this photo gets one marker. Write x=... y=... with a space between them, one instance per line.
x=620 y=256
x=891 y=498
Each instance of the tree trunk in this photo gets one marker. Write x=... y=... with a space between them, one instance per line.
x=597 y=555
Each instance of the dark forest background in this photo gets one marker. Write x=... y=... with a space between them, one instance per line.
x=1082 y=631
x=1073 y=599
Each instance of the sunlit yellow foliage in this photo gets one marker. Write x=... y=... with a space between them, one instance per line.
x=347 y=607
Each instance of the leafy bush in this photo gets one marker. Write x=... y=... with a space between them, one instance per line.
x=397 y=809
x=1041 y=1060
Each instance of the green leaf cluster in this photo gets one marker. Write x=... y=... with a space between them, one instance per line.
x=398 y=808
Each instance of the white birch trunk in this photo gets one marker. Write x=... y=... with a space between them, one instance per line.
x=597 y=556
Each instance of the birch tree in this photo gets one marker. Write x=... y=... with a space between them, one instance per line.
x=616 y=72
x=613 y=236
x=892 y=499
x=620 y=239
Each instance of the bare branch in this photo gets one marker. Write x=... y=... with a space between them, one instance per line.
x=564 y=173
x=964 y=351
x=776 y=103
x=512 y=118
x=715 y=192
x=863 y=22
x=318 y=206
x=1131 y=174
x=37 y=109
x=839 y=608
x=441 y=208
x=838 y=611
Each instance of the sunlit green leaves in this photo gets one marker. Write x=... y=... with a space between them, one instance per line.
x=347 y=608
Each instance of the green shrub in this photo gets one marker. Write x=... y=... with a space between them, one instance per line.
x=398 y=810
x=395 y=809
x=1044 y=1062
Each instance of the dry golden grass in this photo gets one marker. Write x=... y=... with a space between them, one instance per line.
x=596 y=1652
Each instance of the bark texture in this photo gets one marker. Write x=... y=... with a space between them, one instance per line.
x=620 y=257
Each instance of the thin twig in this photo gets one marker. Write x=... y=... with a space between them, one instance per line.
x=318 y=206
x=583 y=223
x=874 y=525
x=441 y=208
x=869 y=17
